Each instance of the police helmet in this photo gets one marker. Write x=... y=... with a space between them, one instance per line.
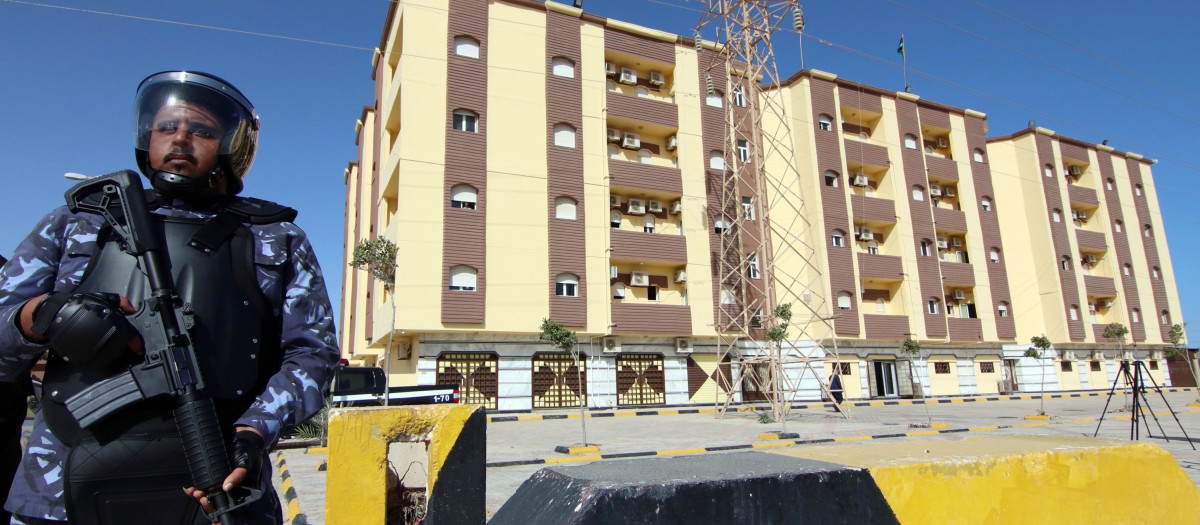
x=232 y=110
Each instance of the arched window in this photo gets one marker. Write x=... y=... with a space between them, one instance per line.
x=918 y=193
x=1065 y=263
x=716 y=160
x=926 y=251
x=1137 y=190
x=618 y=291
x=1146 y=232
x=564 y=135
x=1165 y=317
x=614 y=219
x=978 y=155
x=720 y=225
x=1074 y=312
x=614 y=152
x=1056 y=215
x=462 y=278
x=910 y=141
x=463 y=196
x=610 y=85
x=562 y=67
x=933 y=305
x=648 y=223
x=986 y=204
x=880 y=306
x=564 y=208
x=1127 y=269
x=465 y=120
x=994 y=255
x=752 y=265
x=466 y=46
x=1002 y=309
x=1108 y=184
x=1117 y=226
x=831 y=178
x=1048 y=170
x=1154 y=273
x=824 y=122
x=873 y=247
x=739 y=96
x=644 y=156
x=1135 y=315
x=843 y=300
x=838 y=238
x=641 y=92
x=743 y=150
x=714 y=99
x=566 y=285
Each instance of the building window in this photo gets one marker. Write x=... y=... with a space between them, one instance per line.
x=566 y=285
x=825 y=122
x=1154 y=365
x=1096 y=366
x=1074 y=312
x=564 y=135
x=748 y=208
x=1117 y=226
x=831 y=179
x=1065 y=263
x=987 y=367
x=1146 y=232
x=1056 y=215
x=872 y=247
x=843 y=300
x=462 y=278
x=918 y=193
x=743 y=149
x=932 y=306
x=1127 y=269
x=1066 y=366
x=880 y=306
x=925 y=251
x=466 y=46
x=716 y=160
x=564 y=208
x=614 y=219
x=739 y=96
x=727 y=294
x=648 y=224
x=978 y=155
x=838 y=238
x=994 y=255
x=752 y=265
x=644 y=156
x=1137 y=190
x=463 y=196
x=941 y=367
x=910 y=141
x=614 y=152
x=1135 y=315
x=986 y=204
x=1048 y=170
x=562 y=67
x=1154 y=273
x=466 y=121
x=652 y=293
x=714 y=99
x=1108 y=184
x=1002 y=309
x=720 y=225
x=610 y=86
x=845 y=369
x=641 y=92
x=618 y=291
x=1165 y=317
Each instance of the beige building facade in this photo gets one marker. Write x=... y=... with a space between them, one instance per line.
x=534 y=161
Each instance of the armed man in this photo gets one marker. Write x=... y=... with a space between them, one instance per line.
x=253 y=340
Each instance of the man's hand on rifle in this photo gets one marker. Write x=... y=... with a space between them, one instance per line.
x=246 y=457
x=71 y=321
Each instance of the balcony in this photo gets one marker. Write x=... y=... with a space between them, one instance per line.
x=648 y=247
x=965 y=329
x=1100 y=286
x=954 y=221
x=638 y=176
x=884 y=267
x=886 y=327
x=873 y=209
x=866 y=153
x=1081 y=195
x=941 y=167
x=958 y=274
x=643 y=110
x=1098 y=332
x=651 y=319
x=1088 y=240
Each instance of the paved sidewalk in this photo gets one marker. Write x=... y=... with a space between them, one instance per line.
x=535 y=438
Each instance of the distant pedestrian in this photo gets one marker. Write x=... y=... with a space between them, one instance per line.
x=835 y=390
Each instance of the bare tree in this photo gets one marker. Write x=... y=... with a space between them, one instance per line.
x=1041 y=346
x=566 y=340
x=378 y=257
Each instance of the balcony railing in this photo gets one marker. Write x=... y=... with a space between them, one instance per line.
x=635 y=175
x=1100 y=286
x=958 y=274
x=643 y=110
x=970 y=329
x=649 y=247
x=886 y=327
x=873 y=208
x=651 y=319
x=951 y=220
x=941 y=167
x=1089 y=240
x=1081 y=195
x=866 y=153
x=875 y=266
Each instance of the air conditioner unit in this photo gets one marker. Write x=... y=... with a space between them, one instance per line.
x=942 y=143
x=628 y=76
x=631 y=141
x=683 y=346
x=935 y=190
x=956 y=242
x=657 y=78
x=1068 y=355
x=942 y=244
x=1074 y=170
x=610 y=69
x=614 y=135
x=1127 y=355
x=866 y=234
x=672 y=143
x=1106 y=303
x=637 y=207
x=1079 y=214
x=612 y=345
x=1090 y=259
x=639 y=279
x=960 y=295
x=612 y=272
x=655 y=207
x=614 y=201
x=949 y=192
x=619 y=293
x=861 y=179
x=676 y=207
x=1098 y=355
x=1157 y=355
x=681 y=276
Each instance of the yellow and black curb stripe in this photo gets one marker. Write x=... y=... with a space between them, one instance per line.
x=290 y=502
x=809 y=406
x=793 y=442
x=588 y=449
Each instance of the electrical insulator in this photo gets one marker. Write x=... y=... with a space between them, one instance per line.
x=708 y=84
x=798 y=18
x=699 y=43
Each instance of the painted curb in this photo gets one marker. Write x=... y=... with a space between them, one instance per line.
x=577 y=450
x=290 y=501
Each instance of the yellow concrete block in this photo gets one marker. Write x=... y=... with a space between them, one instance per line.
x=1037 y=417
x=318 y=450
x=1193 y=404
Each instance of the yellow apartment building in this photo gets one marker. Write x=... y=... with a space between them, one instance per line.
x=535 y=161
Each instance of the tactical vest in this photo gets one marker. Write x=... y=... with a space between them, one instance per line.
x=236 y=335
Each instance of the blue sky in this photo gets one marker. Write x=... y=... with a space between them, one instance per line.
x=1090 y=70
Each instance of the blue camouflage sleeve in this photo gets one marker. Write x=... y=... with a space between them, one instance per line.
x=309 y=345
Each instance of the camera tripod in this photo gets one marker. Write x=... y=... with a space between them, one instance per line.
x=1135 y=379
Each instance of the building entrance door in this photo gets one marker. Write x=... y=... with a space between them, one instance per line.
x=885 y=378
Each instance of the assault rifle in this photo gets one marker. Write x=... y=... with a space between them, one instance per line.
x=170 y=367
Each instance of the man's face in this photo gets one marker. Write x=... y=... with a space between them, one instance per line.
x=185 y=139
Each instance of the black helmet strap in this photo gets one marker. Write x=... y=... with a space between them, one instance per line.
x=174 y=185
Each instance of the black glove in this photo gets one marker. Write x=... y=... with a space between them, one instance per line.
x=86 y=329
x=249 y=452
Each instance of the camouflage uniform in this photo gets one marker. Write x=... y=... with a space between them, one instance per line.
x=54 y=257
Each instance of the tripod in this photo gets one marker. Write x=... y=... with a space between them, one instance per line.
x=1135 y=380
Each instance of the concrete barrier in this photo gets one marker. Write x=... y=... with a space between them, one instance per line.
x=455 y=441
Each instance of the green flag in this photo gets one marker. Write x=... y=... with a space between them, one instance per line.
x=901 y=48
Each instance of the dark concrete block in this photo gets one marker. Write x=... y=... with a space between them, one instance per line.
x=741 y=487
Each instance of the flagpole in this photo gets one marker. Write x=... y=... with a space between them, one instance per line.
x=907 y=88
